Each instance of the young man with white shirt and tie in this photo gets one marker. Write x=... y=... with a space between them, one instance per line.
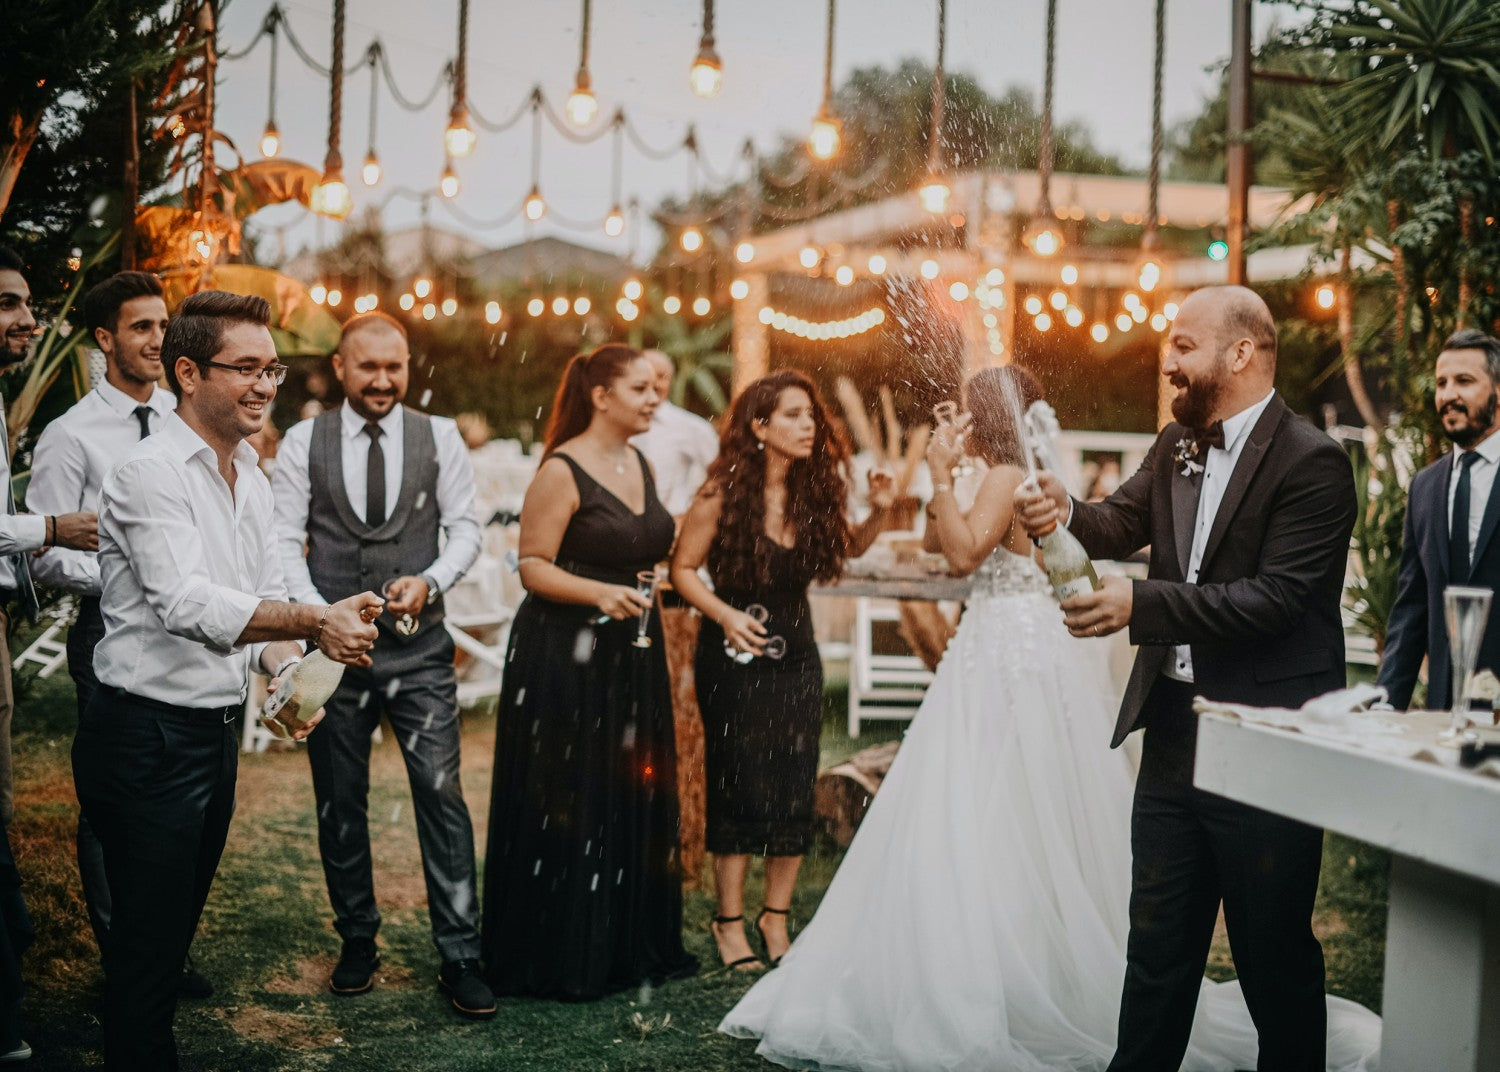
x=126 y=315
x=1451 y=516
x=368 y=489
x=19 y=536
x=192 y=598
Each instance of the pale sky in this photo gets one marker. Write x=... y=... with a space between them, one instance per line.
x=640 y=54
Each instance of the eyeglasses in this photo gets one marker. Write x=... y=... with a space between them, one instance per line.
x=252 y=373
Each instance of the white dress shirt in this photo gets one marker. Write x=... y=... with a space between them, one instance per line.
x=1218 y=467
x=1481 y=482
x=680 y=447
x=184 y=562
x=19 y=533
x=455 y=494
x=71 y=460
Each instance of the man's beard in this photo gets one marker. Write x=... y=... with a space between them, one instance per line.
x=1479 y=423
x=9 y=355
x=1196 y=405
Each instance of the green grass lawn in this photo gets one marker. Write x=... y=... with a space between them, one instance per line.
x=268 y=945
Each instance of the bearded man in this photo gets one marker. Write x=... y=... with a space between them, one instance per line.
x=1451 y=516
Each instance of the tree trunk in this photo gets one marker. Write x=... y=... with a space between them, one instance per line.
x=16 y=139
x=130 y=190
x=1353 y=371
x=842 y=793
x=1465 y=281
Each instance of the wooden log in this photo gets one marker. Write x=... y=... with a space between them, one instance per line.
x=842 y=793
x=926 y=630
x=679 y=626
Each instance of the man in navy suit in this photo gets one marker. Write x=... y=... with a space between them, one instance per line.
x=1451 y=515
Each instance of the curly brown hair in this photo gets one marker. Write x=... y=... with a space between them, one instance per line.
x=816 y=491
x=995 y=398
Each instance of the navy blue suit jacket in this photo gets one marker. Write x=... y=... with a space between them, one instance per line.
x=1416 y=627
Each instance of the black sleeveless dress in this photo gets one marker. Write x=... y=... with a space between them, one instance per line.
x=762 y=720
x=582 y=890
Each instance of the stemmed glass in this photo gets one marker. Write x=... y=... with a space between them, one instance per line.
x=406 y=624
x=775 y=646
x=645 y=584
x=1466 y=611
x=946 y=415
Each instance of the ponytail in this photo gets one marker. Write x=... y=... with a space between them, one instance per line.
x=573 y=405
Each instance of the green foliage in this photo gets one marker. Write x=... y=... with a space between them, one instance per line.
x=1376 y=542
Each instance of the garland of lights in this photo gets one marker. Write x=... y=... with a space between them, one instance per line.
x=826 y=329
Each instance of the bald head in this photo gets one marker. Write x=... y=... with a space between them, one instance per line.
x=372 y=364
x=664 y=370
x=1220 y=354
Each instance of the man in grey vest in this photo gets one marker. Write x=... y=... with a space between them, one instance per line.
x=367 y=488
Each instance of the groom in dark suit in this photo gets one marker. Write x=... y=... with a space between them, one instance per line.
x=1248 y=511
x=1436 y=550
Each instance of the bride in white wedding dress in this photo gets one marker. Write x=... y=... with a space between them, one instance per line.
x=978 y=921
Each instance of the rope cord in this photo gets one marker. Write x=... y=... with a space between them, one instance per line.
x=1044 y=163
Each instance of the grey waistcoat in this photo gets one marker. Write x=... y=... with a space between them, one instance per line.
x=344 y=555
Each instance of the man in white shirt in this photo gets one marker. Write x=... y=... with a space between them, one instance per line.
x=192 y=597
x=368 y=489
x=1451 y=516
x=679 y=445
x=126 y=315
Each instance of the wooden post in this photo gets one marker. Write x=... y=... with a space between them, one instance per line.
x=1238 y=157
x=752 y=349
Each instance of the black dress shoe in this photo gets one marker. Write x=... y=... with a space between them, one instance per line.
x=193 y=984
x=468 y=993
x=356 y=966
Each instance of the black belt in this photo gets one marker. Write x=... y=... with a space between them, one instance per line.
x=226 y=714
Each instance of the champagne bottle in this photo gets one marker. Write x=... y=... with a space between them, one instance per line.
x=1068 y=565
x=303 y=689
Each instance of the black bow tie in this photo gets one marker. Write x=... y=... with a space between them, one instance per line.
x=1212 y=436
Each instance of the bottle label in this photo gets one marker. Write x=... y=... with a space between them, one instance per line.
x=1078 y=586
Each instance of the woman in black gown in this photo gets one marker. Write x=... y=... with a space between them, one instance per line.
x=582 y=892
x=768 y=521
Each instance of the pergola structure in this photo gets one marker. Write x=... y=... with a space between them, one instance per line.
x=975 y=252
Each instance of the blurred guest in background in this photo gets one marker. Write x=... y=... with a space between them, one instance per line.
x=679 y=445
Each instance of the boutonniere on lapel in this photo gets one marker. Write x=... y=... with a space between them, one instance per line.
x=1185 y=457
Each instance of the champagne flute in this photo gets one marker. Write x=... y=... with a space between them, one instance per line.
x=946 y=414
x=744 y=658
x=645 y=584
x=1466 y=612
x=406 y=624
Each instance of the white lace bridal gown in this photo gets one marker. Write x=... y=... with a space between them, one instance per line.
x=978 y=921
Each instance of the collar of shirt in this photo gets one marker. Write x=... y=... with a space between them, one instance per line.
x=123 y=406
x=182 y=443
x=353 y=424
x=1238 y=426
x=1488 y=450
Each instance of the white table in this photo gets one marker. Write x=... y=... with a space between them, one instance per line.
x=1442 y=825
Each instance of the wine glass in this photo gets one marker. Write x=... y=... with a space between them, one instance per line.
x=406 y=624
x=744 y=658
x=1466 y=611
x=645 y=584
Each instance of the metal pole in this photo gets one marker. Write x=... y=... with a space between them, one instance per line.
x=1238 y=158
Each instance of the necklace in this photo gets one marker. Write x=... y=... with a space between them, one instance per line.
x=620 y=463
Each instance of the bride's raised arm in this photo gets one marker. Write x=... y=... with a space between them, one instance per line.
x=966 y=539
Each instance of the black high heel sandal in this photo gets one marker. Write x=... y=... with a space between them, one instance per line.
x=769 y=911
x=744 y=964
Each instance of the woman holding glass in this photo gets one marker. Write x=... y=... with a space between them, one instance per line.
x=768 y=522
x=582 y=892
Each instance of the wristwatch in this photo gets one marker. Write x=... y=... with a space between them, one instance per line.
x=434 y=593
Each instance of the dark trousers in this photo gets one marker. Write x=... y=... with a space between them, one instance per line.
x=83 y=637
x=158 y=789
x=422 y=705
x=16 y=934
x=1191 y=850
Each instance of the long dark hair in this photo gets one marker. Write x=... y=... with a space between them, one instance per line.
x=816 y=487
x=994 y=397
x=573 y=405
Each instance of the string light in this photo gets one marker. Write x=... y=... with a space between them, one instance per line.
x=450 y=306
x=744 y=252
x=331 y=196
x=959 y=291
x=1149 y=275
x=671 y=305
x=627 y=309
x=994 y=277
x=1099 y=332
x=536 y=204
x=876 y=264
x=560 y=306
x=1073 y=315
x=691 y=239
x=1170 y=310
x=429 y=311
x=407 y=301
x=1123 y=322
x=318 y=293
x=707 y=74
x=492 y=312
x=1131 y=300
x=582 y=305
x=614 y=223
x=844 y=276
x=1138 y=314
x=1158 y=322
x=1044 y=240
x=422 y=287
x=929 y=269
x=1325 y=297
x=701 y=306
x=1058 y=300
x=1069 y=274
x=334 y=297
x=582 y=106
x=739 y=289
x=810 y=256
x=270 y=141
x=448 y=184
x=823 y=330
x=1033 y=304
x=536 y=307
x=633 y=289
x=370 y=171
x=934 y=193
x=1043 y=322
x=460 y=137
x=823 y=140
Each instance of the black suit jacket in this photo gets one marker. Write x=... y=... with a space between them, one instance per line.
x=1263 y=619
x=1417 y=627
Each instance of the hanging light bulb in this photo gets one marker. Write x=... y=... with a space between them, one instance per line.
x=492 y=312
x=824 y=139
x=1043 y=238
x=1099 y=332
x=331 y=196
x=1326 y=297
x=450 y=306
x=844 y=276
x=448 y=184
x=318 y=292
x=707 y=74
x=370 y=171
x=633 y=289
x=810 y=256
x=560 y=305
x=1149 y=275
x=1069 y=274
x=459 y=137
x=407 y=301
x=739 y=290
x=744 y=252
x=877 y=264
x=582 y=105
x=691 y=239
x=934 y=193
x=421 y=287
x=671 y=304
x=701 y=306
x=536 y=204
x=614 y=223
x=270 y=141
x=536 y=307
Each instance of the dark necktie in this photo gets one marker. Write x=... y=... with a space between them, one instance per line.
x=143 y=414
x=375 y=479
x=1212 y=436
x=1458 y=528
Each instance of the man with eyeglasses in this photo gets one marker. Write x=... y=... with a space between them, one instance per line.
x=20 y=535
x=368 y=489
x=192 y=596
x=126 y=316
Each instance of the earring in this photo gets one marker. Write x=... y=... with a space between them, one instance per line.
x=760 y=444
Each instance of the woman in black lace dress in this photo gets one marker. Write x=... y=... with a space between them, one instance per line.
x=768 y=522
x=582 y=892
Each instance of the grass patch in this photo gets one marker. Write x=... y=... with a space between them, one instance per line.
x=268 y=944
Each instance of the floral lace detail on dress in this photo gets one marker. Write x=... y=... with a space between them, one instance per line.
x=1007 y=574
